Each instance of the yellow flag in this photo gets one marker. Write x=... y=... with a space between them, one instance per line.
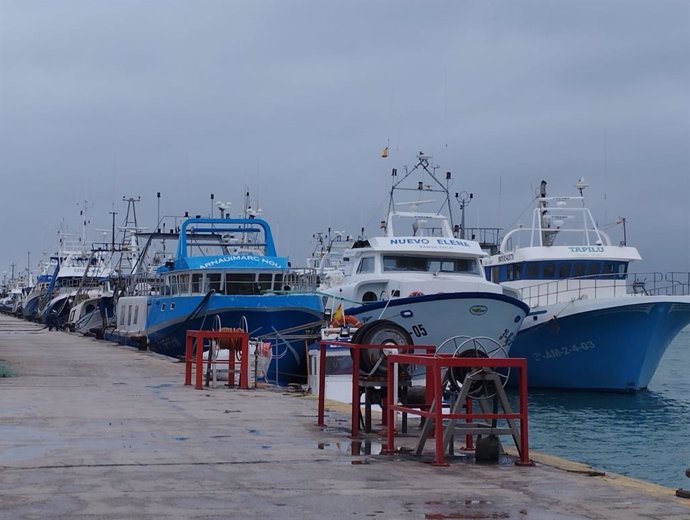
x=338 y=314
x=384 y=153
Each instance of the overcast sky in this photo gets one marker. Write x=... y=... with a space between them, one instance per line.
x=294 y=101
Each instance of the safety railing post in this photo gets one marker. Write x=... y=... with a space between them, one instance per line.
x=438 y=414
x=355 y=390
x=199 y=362
x=524 y=429
x=244 y=363
x=322 y=383
x=390 y=398
x=188 y=360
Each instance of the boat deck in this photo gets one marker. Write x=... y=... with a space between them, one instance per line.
x=90 y=429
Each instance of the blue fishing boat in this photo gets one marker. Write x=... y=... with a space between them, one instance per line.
x=226 y=273
x=592 y=324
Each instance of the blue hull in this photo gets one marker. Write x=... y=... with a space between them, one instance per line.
x=612 y=349
x=264 y=315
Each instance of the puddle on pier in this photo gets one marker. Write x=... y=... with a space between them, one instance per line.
x=353 y=448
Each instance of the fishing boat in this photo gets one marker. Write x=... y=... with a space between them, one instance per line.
x=423 y=276
x=91 y=314
x=30 y=307
x=592 y=324
x=81 y=274
x=226 y=273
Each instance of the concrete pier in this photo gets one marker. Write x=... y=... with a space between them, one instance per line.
x=89 y=429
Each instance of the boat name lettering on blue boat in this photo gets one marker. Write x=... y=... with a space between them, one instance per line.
x=558 y=352
x=235 y=258
x=586 y=249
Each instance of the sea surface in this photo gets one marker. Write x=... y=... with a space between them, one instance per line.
x=644 y=435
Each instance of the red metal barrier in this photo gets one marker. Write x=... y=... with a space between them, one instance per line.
x=355 y=349
x=194 y=355
x=434 y=364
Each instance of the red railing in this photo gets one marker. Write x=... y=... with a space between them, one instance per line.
x=434 y=365
x=355 y=351
x=194 y=355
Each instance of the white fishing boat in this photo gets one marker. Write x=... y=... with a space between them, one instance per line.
x=422 y=276
x=592 y=325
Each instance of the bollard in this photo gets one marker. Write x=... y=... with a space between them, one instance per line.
x=684 y=493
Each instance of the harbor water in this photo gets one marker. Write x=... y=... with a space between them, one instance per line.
x=644 y=435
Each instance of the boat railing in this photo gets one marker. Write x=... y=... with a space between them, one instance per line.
x=303 y=279
x=549 y=292
x=143 y=284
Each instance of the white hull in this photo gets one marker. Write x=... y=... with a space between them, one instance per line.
x=434 y=319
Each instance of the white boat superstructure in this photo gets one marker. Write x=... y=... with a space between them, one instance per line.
x=422 y=277
x=562 y=256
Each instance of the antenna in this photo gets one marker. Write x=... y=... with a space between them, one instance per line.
x=581 y=185
x=464 y=200
x=223 y=207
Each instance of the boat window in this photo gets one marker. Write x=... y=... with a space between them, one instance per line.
x=197 y=282
x=366 y=265
x=214 y=282
x=136 y=314
x=173 y=284
x=240 y=283
x=183 y=284
x=278 y=282
x=532 y=270
x=90 y=307
x=579 y=269
x=564 y=270
x=265 y=280
x=512 y=272
x=549 y=270
x=494 y=274
x=369 y=297
x=593 y=268
x=400 y=263
x=614 y=270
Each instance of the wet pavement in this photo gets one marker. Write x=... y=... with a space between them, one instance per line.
x=89 y=429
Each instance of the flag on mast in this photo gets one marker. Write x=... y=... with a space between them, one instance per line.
x=338 y=315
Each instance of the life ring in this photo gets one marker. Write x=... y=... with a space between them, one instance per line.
x=348 y=320
x=416 y=293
